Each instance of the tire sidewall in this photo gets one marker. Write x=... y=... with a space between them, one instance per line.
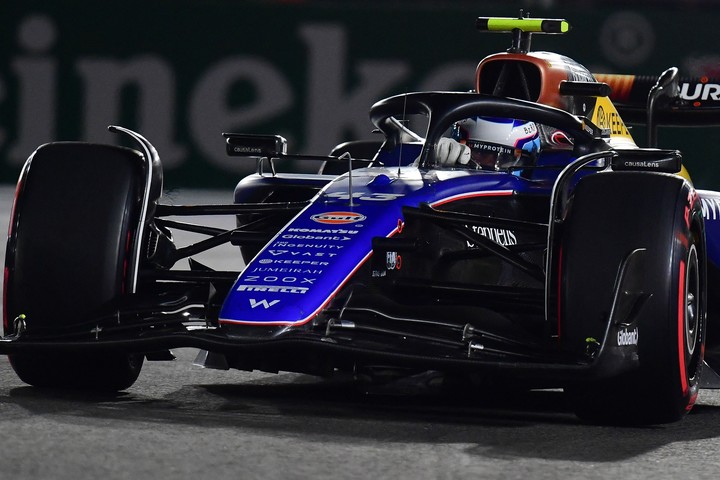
x=688 y=261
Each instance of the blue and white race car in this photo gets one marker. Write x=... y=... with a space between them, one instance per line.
x=518 y=237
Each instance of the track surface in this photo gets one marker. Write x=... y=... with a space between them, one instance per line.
x=181 y=421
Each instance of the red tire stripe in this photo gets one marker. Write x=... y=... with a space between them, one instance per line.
x=681 y=329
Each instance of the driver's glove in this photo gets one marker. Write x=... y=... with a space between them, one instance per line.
x=448 y=152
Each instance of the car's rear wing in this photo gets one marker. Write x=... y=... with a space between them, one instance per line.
x=690 y=102
x=668 y=100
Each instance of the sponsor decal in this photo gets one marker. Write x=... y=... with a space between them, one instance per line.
x=265 y=304
x=370 y=197
x=642 y=164
x=331 y=231
x=277 y=279
x=393 y=261
x=338 y=218
x=627 y=337
x=610 y=120
x=498 y=235
x=311 y=263
x=297 y=254
x=272 y=288
x=322 y=246
x=700 y=91
x=302 y=271
x=324 y=238
x=489 y=147
x=257 y=150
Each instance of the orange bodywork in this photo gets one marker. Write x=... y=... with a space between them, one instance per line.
x=553 y=69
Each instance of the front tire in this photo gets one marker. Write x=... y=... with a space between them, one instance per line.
x=104 y=372
x=664 y=339
x=76 y=213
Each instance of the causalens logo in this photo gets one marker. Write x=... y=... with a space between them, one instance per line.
x=338 y=218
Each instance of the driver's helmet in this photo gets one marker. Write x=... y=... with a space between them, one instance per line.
x=498 y=143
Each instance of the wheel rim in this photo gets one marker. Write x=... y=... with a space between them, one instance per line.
x=692 y=301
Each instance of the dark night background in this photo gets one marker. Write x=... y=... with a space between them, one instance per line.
x=183 y=71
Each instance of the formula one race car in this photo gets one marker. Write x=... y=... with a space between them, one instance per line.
x=570 y=259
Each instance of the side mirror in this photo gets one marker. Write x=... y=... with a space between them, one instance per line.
x=247 y=145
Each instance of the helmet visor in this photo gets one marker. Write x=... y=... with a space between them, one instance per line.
x=491 y=156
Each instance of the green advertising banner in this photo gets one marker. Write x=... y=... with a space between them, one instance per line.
x=182 y=72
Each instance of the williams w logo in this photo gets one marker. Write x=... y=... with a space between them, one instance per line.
x=255 y=303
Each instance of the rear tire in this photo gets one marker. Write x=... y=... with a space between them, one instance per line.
x=71 y=246
x=661 y=214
